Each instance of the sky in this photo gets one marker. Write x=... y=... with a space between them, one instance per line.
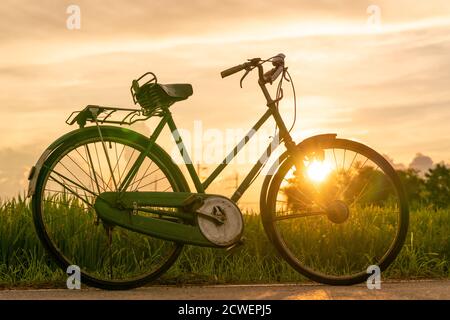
x=382 y=79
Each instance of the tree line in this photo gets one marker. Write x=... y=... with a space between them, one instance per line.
x=430 y=189
x=369 y=186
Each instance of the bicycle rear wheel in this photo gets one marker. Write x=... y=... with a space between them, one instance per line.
x=109 y=256
x=335 y=211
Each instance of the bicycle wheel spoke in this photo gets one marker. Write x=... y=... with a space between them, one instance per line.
x=300 y=201
x=307 y=196
x=144 y=176
x=82 y=170
x=73 y=175
x=299 y=215
x=64 y=192
x=340 y=194
x=71 y=191
x=92 y=180
x=71 y=181
x=364 y=188
x=141 y=179
x=133 y=181
x=106 y=153
x=92 y=168
x=353 y=160
x=335 y=161
x=154 y=182
x=118 y=158
x=105 y=187
x=125 y=170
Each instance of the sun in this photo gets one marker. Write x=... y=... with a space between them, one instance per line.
x=318 y=171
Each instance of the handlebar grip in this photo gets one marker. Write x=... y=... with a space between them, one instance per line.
x=277 y=73
x=233 y=70
x=272 y=75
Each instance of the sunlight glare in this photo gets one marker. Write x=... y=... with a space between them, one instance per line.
x=318 y=171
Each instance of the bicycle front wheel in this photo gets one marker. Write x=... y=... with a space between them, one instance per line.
x=335 y=211
x=109 y=257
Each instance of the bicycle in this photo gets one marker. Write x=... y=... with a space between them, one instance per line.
x=113 y=202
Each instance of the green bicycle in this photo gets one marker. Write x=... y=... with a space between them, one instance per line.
x=113 y=202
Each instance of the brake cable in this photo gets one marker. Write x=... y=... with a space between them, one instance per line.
x=295 y=99
x=278 y=98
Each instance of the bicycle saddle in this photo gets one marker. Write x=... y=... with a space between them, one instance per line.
x=180 y=91
x=154 y=95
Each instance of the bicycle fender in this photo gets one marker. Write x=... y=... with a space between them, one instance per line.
x=34 y=171
x=32 y=176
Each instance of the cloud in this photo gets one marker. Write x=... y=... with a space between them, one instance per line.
x=14 y=168
x=378 y=89
x=157 y=19
x=421 y=163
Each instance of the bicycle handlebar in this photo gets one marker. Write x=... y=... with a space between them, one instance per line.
x=270 y=76
x=234 y=70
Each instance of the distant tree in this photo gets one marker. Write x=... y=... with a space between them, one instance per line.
x=438 y=185
x=414 y=186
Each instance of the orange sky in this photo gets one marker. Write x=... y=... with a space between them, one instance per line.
x=389 y=89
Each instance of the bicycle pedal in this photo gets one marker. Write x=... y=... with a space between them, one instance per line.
x=238 y=244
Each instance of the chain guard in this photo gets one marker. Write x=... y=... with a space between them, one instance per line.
x=220 y=221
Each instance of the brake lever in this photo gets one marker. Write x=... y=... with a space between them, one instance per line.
x=247 y=71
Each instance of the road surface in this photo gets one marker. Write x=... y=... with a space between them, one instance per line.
x=426 y=289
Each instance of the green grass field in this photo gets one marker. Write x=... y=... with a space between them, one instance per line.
x=23 y=261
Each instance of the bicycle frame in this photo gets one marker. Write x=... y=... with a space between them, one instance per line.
x=167 y=119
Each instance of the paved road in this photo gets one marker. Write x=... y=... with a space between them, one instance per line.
x=433 y=289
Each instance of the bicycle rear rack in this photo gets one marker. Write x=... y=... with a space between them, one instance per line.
x=107 y=115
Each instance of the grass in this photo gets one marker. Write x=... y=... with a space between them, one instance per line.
x=23 y=261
